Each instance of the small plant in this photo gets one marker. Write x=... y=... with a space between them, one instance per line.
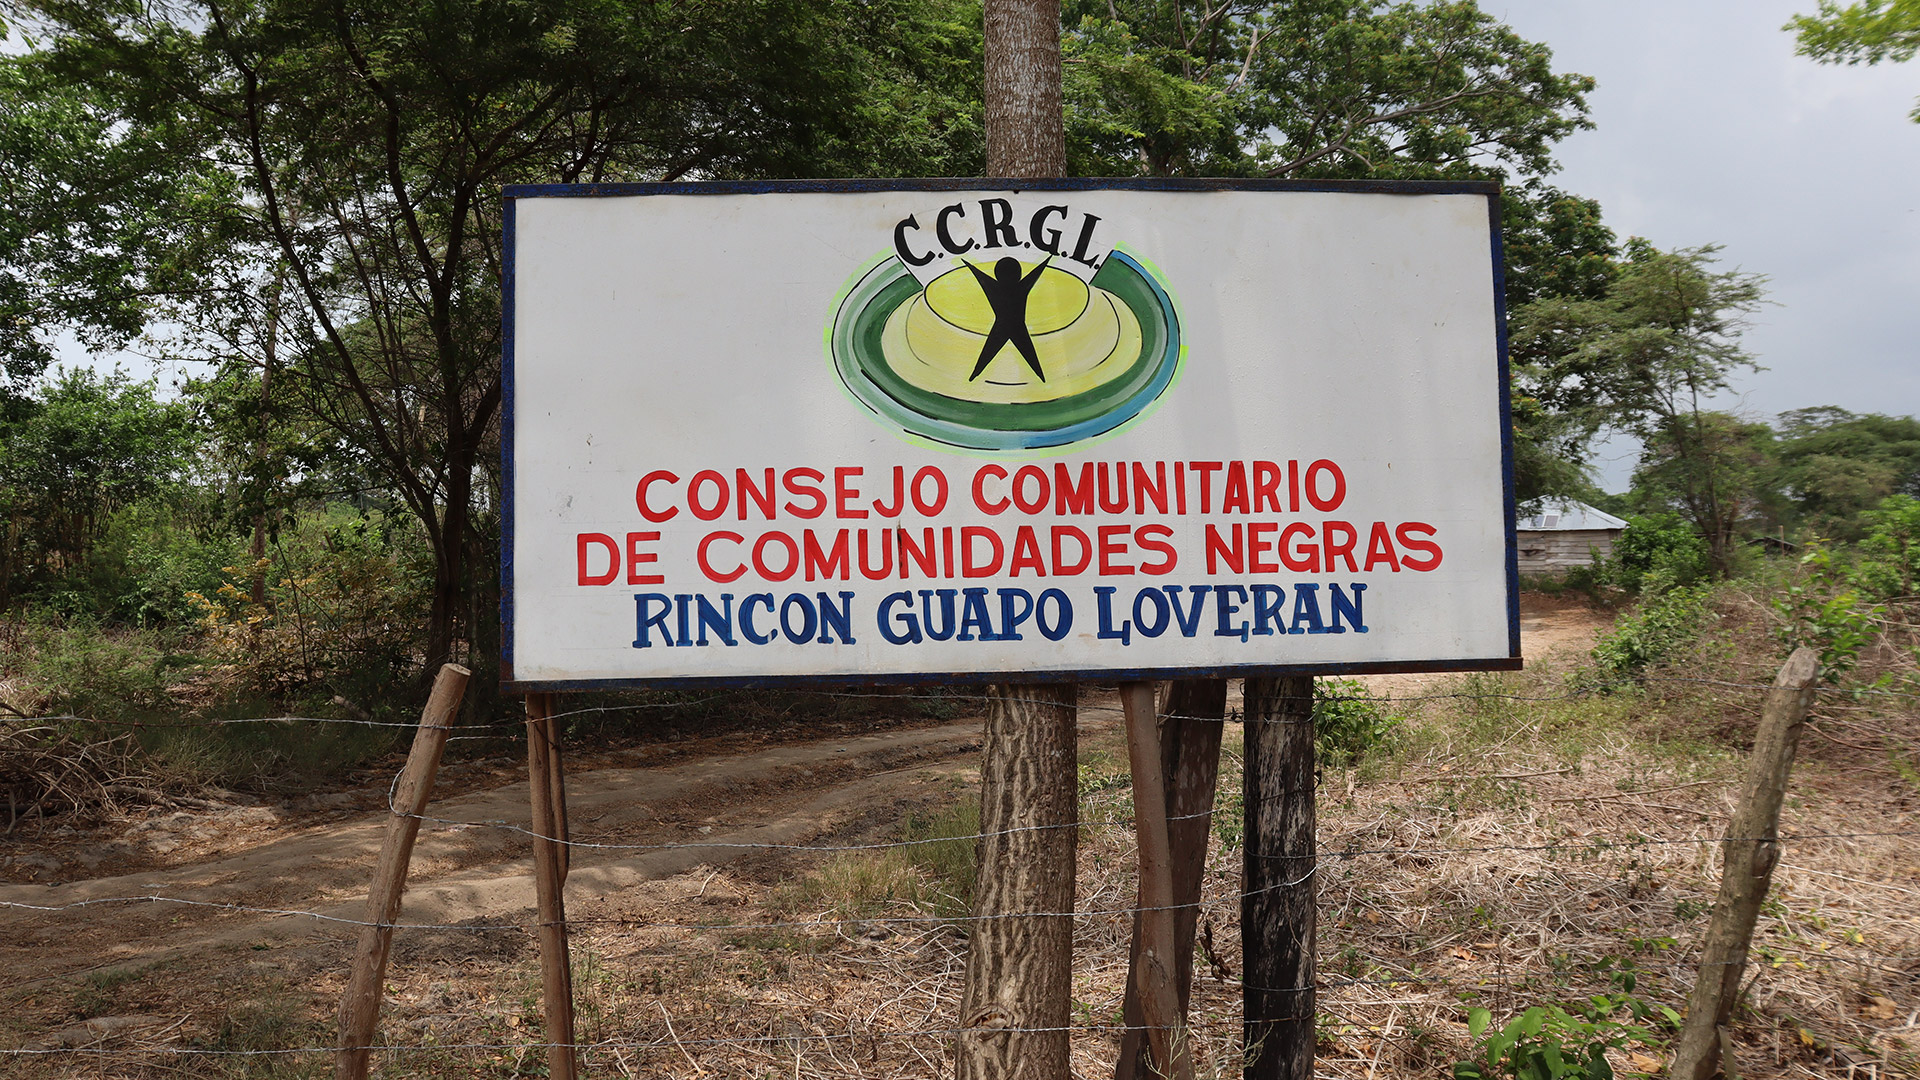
x=1563 y=1042
x=1670 y=617
x=1349 y=722
x=1822 y=609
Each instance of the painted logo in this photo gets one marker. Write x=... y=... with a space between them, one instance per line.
x=988 y=329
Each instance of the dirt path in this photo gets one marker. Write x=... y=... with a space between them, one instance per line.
x=280 y=888
x=471 y=862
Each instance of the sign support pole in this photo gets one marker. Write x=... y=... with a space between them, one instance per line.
x=1706 y=1041
x=549 y=874
x=1016 y=1003
x=1153 y=971
x=1191 y=722
x=1277 y=909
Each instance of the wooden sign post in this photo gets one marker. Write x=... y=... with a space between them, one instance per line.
x=547 y=793
x=1277 y=910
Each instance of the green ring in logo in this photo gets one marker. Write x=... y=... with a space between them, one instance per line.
x=870 y=321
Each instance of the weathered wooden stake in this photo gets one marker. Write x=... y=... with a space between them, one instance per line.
x=1016 y=1002
x=1750 y=854
x=1190 y=728
x=1152 y=974
x=549 y=872
x=1277 y=913
x=360 y=1005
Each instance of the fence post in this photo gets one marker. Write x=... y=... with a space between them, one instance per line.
x=1277 y=910
x=1751 y=850
x=360 y=1004
x=1191 y=722
x=549 y=873
x=1151 y=971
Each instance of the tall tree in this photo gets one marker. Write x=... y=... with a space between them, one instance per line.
x=1315 y=88
x=1646 y=358
x=1713 y=469
x=372 y=139
x=1866 y=32
x=1016 y=1004
x=1557 y=249
x=1836 y=466
x=92 y=217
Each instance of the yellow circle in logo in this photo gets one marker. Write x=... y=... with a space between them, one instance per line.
x=1083 y=336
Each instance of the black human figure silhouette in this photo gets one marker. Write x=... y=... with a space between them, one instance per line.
x=1007 y=294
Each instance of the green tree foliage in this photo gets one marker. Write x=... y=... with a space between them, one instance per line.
x=1890 y=554
x=84 y=448
x=92 y=215
x=372 y=139
x=1837 y=466
x=1713 y=469
x=1642 y=358
x=1865 y=32
x=1665 y=545
x=1556 y=249
x=1311 y=88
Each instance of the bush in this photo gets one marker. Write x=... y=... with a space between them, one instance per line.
x=343 y=608
x=1656 y=544
x=1890 y=555
x=1669 y=618
x=1349 y=722
x=1554 y=1042
x=1821 y=608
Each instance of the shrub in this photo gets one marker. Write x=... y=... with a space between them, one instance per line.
x=1890 y=555
x=343 y=606
x=1669 y=617
x=1656 y=544
x=1349 y=722
x=1822 y=608
x=1562 y=1042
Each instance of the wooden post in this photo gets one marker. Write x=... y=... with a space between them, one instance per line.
x=1019 y=972
x=556 y=971
x=1191 y=722
x=1151 y=967
x=1751 y=851
x=1277 y=913
x=360 y=1004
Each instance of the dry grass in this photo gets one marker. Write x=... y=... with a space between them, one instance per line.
x=1505 y=853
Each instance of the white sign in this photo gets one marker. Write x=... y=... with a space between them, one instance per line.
x=881 y=431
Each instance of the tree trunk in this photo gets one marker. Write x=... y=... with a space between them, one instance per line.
x=1277 y=912
x=1026 y=135
x=1016 y=1004
x=1020 y=968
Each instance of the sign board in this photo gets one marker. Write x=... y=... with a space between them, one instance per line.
x=894 y=431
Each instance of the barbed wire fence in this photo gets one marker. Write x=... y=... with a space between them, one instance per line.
x=1415 y=982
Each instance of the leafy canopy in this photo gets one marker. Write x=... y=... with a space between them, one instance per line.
x=1865 y=32
x=1310 y=88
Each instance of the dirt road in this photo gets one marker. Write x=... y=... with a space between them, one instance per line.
x=229 y=894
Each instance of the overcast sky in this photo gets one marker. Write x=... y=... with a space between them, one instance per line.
x=1709 y=130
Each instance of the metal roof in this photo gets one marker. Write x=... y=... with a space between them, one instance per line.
x=1568 y=516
